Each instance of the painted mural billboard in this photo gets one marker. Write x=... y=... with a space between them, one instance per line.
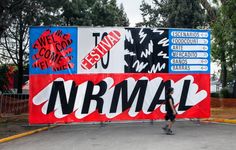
x=116 y=73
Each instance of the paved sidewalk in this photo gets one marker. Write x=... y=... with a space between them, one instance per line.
x=14 y=125
x=132 y=136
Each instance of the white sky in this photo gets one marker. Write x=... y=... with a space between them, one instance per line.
x=132 y=10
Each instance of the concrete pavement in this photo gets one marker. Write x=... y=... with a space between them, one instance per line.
x=132 y=136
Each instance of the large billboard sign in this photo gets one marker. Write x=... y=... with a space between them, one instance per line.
x=115 y=73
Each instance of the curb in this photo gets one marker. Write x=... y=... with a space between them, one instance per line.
x=231 y=121
x=25 y=134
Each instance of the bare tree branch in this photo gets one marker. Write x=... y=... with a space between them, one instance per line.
x=15 y=62
x=13 y=33
x=1 y=54
x=223 y=1
x=209 y=9
x=8 y=49
x=26 y=46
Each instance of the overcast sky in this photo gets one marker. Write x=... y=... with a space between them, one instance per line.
x=132 y=10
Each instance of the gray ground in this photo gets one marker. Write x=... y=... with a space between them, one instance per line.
x=133 y=136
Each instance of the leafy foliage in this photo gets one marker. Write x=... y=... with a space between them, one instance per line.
x=224 y=42
x=94 y=12
x=173 y=13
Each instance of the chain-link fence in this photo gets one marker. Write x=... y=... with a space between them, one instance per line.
x=13 y=104
x=224 y=108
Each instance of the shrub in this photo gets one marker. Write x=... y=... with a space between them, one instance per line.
x=216 y=95
x=224 y=93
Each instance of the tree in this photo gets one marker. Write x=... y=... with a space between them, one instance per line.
x=77 y=12
x=8 y=9
x=14 y=41
x=173 y=13
x=222 y=22
x=3 y=78
x=211 y=11
x=224 y=32
x=94 y=13
x=123 y=19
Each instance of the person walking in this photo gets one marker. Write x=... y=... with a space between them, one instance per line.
x=170 y=111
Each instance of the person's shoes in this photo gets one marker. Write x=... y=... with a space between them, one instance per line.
x=169 y=132
x=165 y=128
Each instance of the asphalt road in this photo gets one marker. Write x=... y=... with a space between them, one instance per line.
x=131 y=136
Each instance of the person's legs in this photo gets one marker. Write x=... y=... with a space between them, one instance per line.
x=172 y=120
x=170 y=124
x=166 y=122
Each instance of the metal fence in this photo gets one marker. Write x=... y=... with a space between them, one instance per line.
x=13 y=104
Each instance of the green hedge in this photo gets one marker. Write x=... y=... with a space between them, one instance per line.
x=216 y=95
x=224 y=93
